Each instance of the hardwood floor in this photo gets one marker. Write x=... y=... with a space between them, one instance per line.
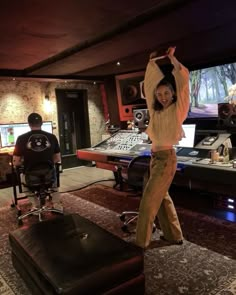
x=70 y=179
x=75 y=178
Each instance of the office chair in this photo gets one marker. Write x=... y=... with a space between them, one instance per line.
x=135 y=175
x=40 y=180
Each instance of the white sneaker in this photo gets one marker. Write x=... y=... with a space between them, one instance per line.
x=58 y=206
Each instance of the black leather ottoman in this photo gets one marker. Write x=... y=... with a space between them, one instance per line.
x=72 y=255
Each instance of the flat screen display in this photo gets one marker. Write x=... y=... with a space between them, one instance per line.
x=188 y=140
x=10 y=132
x=210 y=86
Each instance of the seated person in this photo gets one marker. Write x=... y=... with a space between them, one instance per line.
x=35 y=147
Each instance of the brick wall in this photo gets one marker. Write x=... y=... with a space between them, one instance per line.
x=20 y=98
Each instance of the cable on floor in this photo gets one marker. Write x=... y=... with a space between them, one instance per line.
x=77 y=189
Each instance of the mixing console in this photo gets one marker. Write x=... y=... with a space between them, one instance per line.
x=123 y=140
x=185 y=159
x=207 y=162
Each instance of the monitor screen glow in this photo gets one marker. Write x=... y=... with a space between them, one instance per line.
x=10 y=132
x=210 y=86
x=188 y=140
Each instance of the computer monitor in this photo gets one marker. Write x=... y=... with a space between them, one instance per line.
x=10 y=132
x=188 y=140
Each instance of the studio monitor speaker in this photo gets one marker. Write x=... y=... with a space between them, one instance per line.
x=227 y=114
x=141 y=118
x=129 y=94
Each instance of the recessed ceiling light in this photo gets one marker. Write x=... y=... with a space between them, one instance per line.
x=118 y=63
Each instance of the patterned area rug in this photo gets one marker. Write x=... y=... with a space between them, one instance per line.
x=4 y=288
x=206 y=231
x=169 y=269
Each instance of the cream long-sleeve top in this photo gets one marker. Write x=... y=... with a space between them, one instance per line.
x=165 y=126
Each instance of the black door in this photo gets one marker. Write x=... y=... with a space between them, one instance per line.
x=74 y=134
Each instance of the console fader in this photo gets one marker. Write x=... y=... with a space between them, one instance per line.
x=123 y=140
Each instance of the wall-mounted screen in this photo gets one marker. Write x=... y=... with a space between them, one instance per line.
x=10 y=132
x=210 y=86
x=188 y=140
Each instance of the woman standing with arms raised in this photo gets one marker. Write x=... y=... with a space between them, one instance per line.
x=167 y=111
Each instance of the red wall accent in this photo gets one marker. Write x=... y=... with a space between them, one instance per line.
x=104 y=102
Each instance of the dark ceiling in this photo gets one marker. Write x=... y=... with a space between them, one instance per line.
x=85 y=39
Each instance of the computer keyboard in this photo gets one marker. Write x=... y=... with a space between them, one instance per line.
x=184 y=158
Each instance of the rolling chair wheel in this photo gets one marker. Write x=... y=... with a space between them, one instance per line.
x=154 y=228
x=122 y=217
x=125 y=229
x=128 y=229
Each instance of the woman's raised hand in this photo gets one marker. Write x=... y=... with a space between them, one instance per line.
x=171 y=51
x=153 y=55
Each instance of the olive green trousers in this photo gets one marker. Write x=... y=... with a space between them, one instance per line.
x=156 y=200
